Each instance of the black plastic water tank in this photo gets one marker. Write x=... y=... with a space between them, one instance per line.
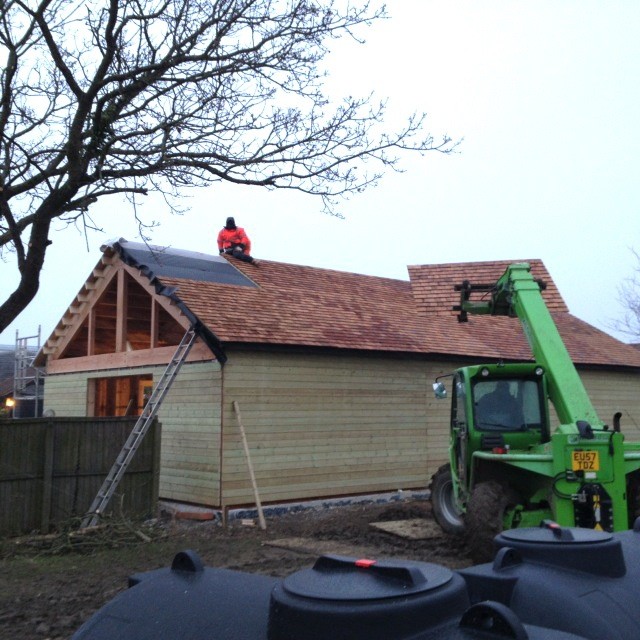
x=587 y=550
x=338 y=598
x=575 y=580
x=345 y=598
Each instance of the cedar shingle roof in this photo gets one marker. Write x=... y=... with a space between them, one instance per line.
x=298 y=305
x=432 y=284
x=285 y=304
x=306 y=306
x=501 y=337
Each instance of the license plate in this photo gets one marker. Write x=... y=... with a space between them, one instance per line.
x=585 y=460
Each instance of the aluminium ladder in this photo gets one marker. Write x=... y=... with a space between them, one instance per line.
x=138 y=432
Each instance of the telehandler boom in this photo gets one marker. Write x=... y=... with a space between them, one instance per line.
x=506 y=469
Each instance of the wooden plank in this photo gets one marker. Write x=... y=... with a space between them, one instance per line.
x=153 y=334
x=316 y=455
x=341 y=470
x=191 y=435
x=186 y=465
x=254 y=484
x=121 y=312
x=296 y=444
x=91 y=333
x=125 y=360
x=311 y=492
x=328 y=484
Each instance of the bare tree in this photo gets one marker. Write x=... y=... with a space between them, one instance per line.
x=103 y=97
x=629 y=297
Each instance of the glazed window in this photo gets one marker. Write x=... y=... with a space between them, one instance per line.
x=507 y=405
x=122 y=396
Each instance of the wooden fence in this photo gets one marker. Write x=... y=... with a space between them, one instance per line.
x=51 y=470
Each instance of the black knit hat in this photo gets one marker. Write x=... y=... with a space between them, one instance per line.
x=231 y=223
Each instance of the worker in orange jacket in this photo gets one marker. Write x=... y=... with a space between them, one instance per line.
x=234 y=241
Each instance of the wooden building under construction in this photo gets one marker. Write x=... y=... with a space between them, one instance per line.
x=332 y=371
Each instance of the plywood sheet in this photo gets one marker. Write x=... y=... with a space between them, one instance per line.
x=312 y=547
x=416 y=529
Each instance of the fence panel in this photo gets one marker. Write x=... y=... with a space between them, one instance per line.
x=52 y=468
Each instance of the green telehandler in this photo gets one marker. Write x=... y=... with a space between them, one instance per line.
x=506 y=468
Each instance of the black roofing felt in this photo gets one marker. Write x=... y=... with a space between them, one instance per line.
x=177 y=263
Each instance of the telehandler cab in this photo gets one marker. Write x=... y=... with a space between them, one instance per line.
x=506 y=468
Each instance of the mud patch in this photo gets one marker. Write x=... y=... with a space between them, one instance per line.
x=44 y=596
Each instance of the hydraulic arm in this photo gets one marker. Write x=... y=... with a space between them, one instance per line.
x=518 y=294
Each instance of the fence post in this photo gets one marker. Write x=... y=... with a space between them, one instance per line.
x=155 y=475
x=47 y=476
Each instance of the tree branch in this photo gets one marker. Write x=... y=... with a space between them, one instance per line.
x=164 y=95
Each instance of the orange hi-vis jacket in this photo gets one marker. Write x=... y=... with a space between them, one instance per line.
x=228 y=238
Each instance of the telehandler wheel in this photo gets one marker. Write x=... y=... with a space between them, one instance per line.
x=484 y=520
x=443 y=501
x=633 y=497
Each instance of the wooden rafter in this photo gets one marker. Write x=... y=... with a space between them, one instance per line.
x=121 y=312
x=70 y=322
x=130 y=321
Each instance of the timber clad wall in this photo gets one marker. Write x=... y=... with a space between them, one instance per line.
x=317 y=425
x=190 y=417
x=612 y=392
x=66 y=394
x=321 y=425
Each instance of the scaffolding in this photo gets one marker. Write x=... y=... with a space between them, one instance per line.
x=28 y=389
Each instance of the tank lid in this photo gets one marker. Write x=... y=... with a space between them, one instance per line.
x=552 y=533
x=340 y=578
x=588 y=550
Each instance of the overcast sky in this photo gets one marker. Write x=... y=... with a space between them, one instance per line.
x=546 y=95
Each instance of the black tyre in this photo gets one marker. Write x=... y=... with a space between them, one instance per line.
x=633 y=497
x=484 y=519
x=443 y=501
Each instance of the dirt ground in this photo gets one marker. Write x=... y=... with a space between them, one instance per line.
x=49 y=587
